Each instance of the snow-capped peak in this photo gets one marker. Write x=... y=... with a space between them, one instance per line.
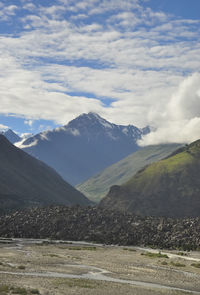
x=89 y=120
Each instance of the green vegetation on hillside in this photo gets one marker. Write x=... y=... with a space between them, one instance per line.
x=173 y=164
x=169 y=187
x=197 y=265
x=8 y=290
x=98 y=186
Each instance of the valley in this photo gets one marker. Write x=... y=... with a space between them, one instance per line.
x=142 y=238
x=100 y=147
x=59 y=267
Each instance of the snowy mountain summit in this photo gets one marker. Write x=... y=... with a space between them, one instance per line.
x=84 y=146
x=92 y=124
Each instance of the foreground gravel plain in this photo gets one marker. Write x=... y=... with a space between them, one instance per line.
x=46 y=267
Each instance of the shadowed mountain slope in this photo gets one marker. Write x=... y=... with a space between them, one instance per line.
x=26 y=181
x=170 y=187
x=98 y=186
x=87 y=145
x=11 y=136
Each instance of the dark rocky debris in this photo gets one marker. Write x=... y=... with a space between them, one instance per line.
x=101 y=226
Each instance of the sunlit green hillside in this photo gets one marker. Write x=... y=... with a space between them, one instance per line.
x=98 y=186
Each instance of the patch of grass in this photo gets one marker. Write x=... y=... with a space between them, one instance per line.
x=18 y=290
x=74 y=283
x=197 y=265
x=182 y=254
x=21 y=267
x=34 y=291
x=4 y=288
x=155 y=255
x=164 y=263
x=177 y=264
x=52 y=255
x=82 y=248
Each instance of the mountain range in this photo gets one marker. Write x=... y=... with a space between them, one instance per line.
x=83 y=147
x=169 y=187
x=96 y=187
x=26 y=181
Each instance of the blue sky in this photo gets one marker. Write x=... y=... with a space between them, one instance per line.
x=128 y=60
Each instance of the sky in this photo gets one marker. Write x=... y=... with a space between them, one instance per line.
x=131 y=61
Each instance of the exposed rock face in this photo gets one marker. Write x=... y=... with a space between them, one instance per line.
x=85 y=146
x=102 y=226
x=26 y=181
x=170 y=187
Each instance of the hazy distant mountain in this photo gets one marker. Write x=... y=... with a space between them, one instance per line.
x=26 y=181
x=85 y=146
x=11 y=136
x=96 y=187
x=170 y=187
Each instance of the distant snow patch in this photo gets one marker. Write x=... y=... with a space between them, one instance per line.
x=73 y=131
x=58 y=129
x=102 y=121
x=106 y=124
x=125 y=130
x=44 y=135
x=26 y=135
x=22 y=146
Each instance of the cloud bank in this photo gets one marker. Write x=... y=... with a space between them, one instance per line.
x=179 y=121
x=114 y=57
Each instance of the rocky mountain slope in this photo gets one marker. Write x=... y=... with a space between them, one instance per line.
x=98 y=186
x=102 y=226
x=85 y=146
x=170 y=187
x=26 y=181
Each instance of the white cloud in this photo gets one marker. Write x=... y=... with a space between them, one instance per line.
x=180 y=121
x=7 y=11
x=21 y=145
x=29 y=6
x=135 y=57
x=29 y=122
x=3 y=127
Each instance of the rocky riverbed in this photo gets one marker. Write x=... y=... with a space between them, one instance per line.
x=63 y=268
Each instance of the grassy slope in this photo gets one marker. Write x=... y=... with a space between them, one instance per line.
x=98 y=186
x=177 y=162
x=170 y=187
